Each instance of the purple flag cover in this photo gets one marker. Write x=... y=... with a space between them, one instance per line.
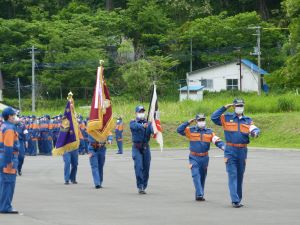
x=68 y=138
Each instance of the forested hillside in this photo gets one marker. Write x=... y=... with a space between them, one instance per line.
x=141 y=41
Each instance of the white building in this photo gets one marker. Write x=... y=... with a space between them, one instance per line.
x=228 y=76
x=195 y=93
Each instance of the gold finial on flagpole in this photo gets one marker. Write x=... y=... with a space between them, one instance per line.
x=101 y=62
x=70 y=95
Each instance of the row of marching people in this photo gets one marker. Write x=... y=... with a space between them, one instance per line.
x=38 y=135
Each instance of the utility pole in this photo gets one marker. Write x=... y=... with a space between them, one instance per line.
x=33 y=78
x=191 y=55
x=240 y=66
x=191 y=69
x=187 y=86
x=257 y=52
x=19 y=94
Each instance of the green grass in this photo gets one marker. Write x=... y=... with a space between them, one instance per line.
x=277 y=115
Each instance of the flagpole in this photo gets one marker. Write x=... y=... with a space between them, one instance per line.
x=149 y=111
x=151 y=101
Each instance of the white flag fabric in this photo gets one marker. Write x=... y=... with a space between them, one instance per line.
x=154 y=119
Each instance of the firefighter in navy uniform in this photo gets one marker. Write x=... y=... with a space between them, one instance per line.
x=237 y=129
x=97 y=153
x=23 y=135
x=9 y=150
x=119 y=135
x=200 y=138
x=141 y=131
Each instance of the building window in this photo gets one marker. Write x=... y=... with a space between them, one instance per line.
x=207 y=83
x=232 y=84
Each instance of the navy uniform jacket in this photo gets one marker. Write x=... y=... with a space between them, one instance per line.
x=139 y=133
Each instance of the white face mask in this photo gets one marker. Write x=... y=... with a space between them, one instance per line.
x=15 y=120
x=201 y=124
x=118 y=121
x=239 y=110
x=140 y=116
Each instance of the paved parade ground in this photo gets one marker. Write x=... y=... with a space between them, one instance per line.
x=271 y=192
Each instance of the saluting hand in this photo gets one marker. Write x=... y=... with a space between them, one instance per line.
x=191 y=120
x=228 y=106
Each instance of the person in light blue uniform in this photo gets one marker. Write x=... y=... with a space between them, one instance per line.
x=97 y=152
x=200 y=138
x=237 y=129
x=141 y=131
x=9 y=149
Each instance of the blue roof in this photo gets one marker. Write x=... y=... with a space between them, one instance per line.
x=192 y=88
x=254 y=67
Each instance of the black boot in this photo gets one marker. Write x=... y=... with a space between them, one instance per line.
x=200 y=198
x=237 y=205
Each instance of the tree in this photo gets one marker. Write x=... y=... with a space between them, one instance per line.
x=289 y=75
x=140 y=75
x=215 y=39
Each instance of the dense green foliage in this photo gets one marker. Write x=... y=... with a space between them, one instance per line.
x=141 y=41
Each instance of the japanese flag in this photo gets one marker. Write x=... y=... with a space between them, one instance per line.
x=154 y=119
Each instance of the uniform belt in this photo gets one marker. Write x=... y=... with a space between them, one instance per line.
x=199 y=154
x=15 y=152
x=236 y=145
x=96 y=145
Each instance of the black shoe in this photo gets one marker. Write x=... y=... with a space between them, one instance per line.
x=20 y=173
x=142 y=192
x=98 y=186
x=11 y=212
x=237 y=205
x=200 y=198
x=74 y=182
x=67 y=183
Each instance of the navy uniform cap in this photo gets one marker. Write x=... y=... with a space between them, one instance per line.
x=238 y=101
x=200 y=116
x=8 y=111
x=139 y=108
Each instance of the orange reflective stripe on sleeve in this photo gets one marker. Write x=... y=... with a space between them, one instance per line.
x=187 y=132
x=9 y=138
x=229 y=126
x=9 y=169
x=207 y=137
x=222 y=119
x=120 y=127
x=80 y=134
x=244 y=128
x=16 y=137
